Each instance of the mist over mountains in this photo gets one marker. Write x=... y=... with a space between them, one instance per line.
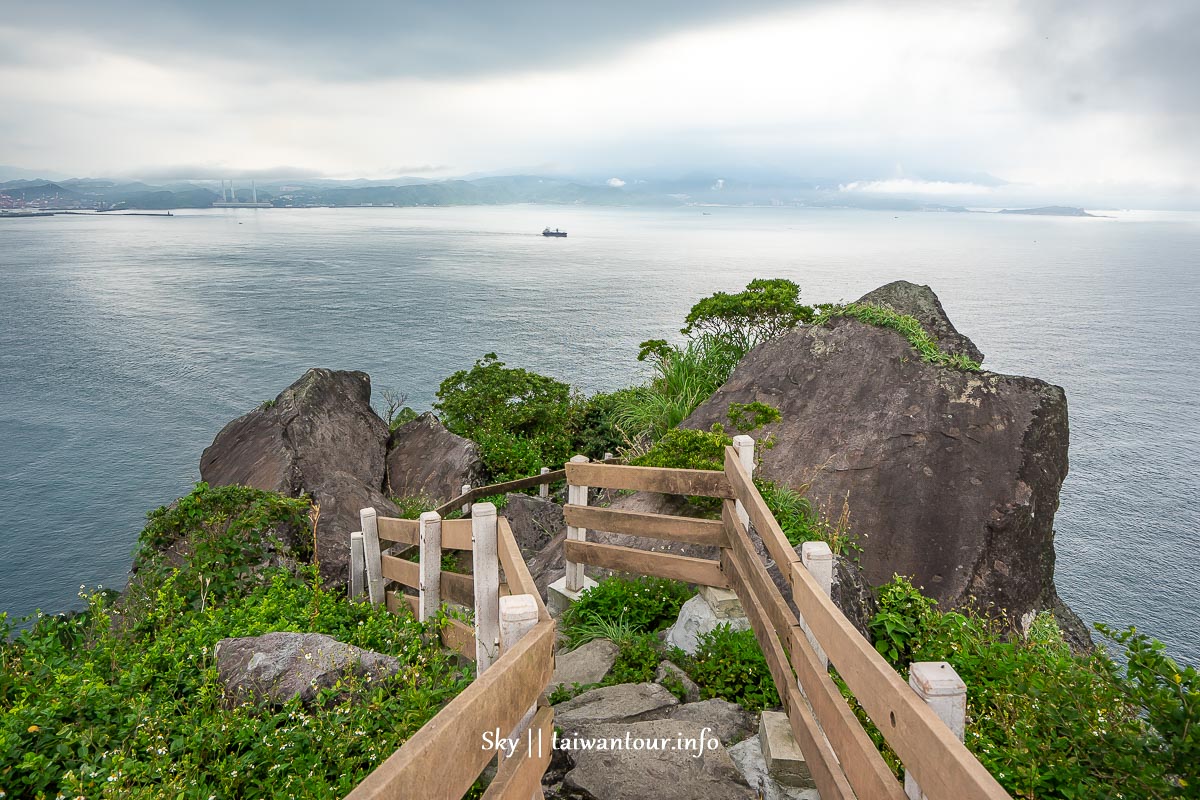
x=693 y=189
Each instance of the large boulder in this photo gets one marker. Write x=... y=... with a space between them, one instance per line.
x=277 y=667
x=424 y=459
x=952 y=477
x=586 y=664
x=534 y=521
x=647 y=760
x=320 y=436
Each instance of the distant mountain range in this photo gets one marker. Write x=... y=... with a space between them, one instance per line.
x=698 y=189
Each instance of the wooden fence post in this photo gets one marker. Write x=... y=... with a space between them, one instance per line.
x=487 y=584
x=430 y=589
x=370 y=530
x=818 y=560
x=466 y=509
x=744 y=445
x=939 y=686
x=518 y=616
x=544 y=489
x=357 y=565
x=578 y=496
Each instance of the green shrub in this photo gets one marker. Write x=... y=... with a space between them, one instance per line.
x=124 y=700
x=413 y=506
x=637 y=605
x=684 y=448
x=1045 y=722
x=521 y=420
x=729 y=664
x=747 y=417
x=766 y=308
x=599 y=431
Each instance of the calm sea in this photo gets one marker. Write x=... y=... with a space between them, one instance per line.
x=127 y=342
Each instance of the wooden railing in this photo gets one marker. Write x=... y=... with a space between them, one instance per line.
x=445 y=757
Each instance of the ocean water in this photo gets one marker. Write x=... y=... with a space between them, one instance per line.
x=127 y=342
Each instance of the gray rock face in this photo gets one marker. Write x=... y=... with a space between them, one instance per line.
x=534 y=521
x=625 y=702
x=728 y=721
x=696 y=618
x=671 y=773
x=276 y=667
x=321 y=436
x=922 y=303
x=588 y=663
x=669 y=671
x=951 y=477
x=852 y=594
x=424 y=459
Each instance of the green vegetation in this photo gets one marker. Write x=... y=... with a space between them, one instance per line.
x=763 y=310
x=1045 y=722
x=729 y=664
x=638 y=604
x=123 y=700
x=682 y=377
x=521 y=420
x=746 y=417
x=684 y=448
x=907 y=326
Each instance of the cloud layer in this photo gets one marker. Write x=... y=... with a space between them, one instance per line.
x=1034 y=98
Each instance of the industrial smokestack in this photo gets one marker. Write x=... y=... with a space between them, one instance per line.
x=253 y=193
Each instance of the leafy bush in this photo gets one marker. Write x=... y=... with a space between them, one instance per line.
x=747 y=417
x=907 y=326
x=413 y=506
x=729 y=664
x=1047 y=723
x=521 y=420
x=763 y=310
x=123 y=700
x=599 y=431
x=684 y=448
x=637 y=604
x=902 y=620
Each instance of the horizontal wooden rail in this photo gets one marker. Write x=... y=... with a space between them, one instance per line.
x=520 y=777
x=701 y=482
x=456 y=533
x=658 y=526
x=456 y=588
x=942 y=764
x=643 y=562
x=444 y=758
x=861 y=762
x=499 y=488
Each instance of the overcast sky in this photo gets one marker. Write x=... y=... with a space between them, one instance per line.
x=1066 y=100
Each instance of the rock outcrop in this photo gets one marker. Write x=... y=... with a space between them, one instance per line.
x=277 y=667
x=426 y=460
x=951 y=476
x=321 y=436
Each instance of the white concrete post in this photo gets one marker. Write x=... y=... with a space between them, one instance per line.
x=744 y=445
x=487 y=585
x=818 y=560
x=544 y=489
x=466 y=509
x=518 y=616
x=430 y=598
x=357 y=565
x=939 y=686
x=608 y=456
x=576 y=495
x=370 y=531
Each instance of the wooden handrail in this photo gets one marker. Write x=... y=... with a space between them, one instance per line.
x=701 y=482
x=444 y=758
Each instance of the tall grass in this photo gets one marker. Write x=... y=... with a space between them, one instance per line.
x=682 y=378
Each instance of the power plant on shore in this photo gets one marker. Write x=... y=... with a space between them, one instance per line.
x=230 y=200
